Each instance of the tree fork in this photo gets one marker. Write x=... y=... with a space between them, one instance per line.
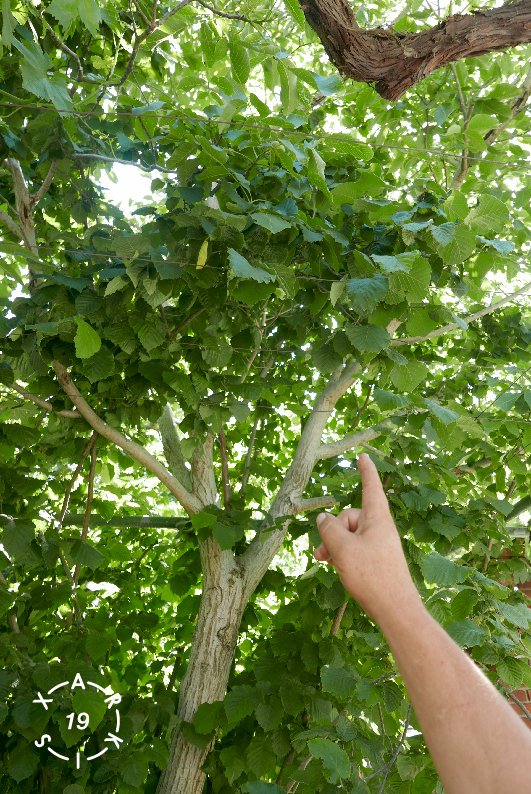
x=394 y=62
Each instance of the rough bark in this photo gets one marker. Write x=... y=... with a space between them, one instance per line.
x=212 y=654
x=392 y=61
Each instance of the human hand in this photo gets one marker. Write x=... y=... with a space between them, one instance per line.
x=364 y=547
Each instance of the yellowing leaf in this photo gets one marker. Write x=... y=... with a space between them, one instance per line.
x=202 y=255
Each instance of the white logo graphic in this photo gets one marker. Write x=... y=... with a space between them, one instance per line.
x=81 y=720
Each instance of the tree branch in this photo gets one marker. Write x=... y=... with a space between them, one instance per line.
x=204 y=483
x=42 y=403
x=395 y=61
x=261 y=551
x=389 y=765
x=189 y=501
x=413 y=340
x=248 y=457
x=315 y=503
x=172 y=447
x=512 y=696
x=152 y=26
x=11 y=224
x=48 y=179
x=333 y=448
x=218 y=13
x=227 y=495
x=106 y=159
x=90 y=495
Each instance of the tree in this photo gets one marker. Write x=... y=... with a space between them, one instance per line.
x=189 y=385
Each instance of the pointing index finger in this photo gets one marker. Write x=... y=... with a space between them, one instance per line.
x=373 y=498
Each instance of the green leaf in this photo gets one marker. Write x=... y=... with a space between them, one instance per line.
x=328 y=85
x=23 y=762
x=438 y=569
x=393 y=264
x=272 y=223
x=517 y=614
x=99 y=366
x=407 y=377
x=151 y=334
x=339 y=681
x=295 y=11
x=242 y=268
x=464 y=602
x=269 y=715
x=16 y=538
x=258 y=787
x=336 y=291
x=335 y=760
x=489 y=216
x=461 y=246
x=466 y=633
x=239 y=60
x=115 y=285
x=34 y=69
x=9 y=23
x=65 y=12
x=411 y=286
x=409 y=767
x=366 y=293
x=444 y=233
x=209 y=716
x=349 y=192
x=90 y=15
x=503 y=247
x=239 y=703
x=367 y=338
x=92 y=703
x=85 y=554
x=480 y=122
x=515 y=673
x=444 y=414
x=316 y=171
x=227 y=535
x=87 y=340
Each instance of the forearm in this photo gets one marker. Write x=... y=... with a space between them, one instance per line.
x=477 y=743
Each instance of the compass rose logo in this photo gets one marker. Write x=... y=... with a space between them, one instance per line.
x=79 y=721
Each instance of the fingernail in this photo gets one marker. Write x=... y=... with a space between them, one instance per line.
x=320 y=518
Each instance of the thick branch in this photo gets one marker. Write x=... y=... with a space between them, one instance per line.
x=204 y=483
x=172 y=448
x=395 y=61
x=334 y=448
x=227 y=494
x=315 y=503
x=260 y=552
x=11 y=224
x=413 y=340
x=190 y=502
x=48 y=179
x=43 y=403
x=23 y=204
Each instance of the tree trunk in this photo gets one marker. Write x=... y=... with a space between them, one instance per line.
x=222 y=604
x=392 y=61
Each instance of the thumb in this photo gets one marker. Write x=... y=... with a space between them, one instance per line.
x=333 y=533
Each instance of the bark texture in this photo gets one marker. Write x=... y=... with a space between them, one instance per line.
x=222 y=604
x=393 y=62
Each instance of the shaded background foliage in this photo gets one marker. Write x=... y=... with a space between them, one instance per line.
x=237 y=311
